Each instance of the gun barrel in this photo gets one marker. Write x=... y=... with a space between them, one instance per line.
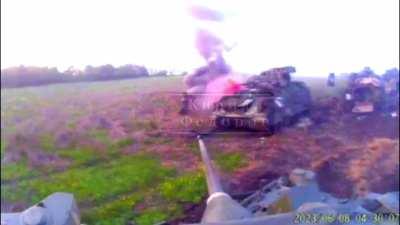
x=213 y=182
x=220 y=206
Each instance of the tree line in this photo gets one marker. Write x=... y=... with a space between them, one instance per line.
x=23 y=76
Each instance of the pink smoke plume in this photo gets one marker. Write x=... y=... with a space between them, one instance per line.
x=211 y=48
x=223 y=86
x=208 y=44
x=204 y=13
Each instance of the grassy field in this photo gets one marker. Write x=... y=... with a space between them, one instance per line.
x=103 y=142
x=91 y=139
x=106 y=142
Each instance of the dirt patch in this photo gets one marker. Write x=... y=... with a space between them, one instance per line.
x=332 y=179
x=377 y=169
x=193 y=212
x=332 y=149
x=252 y=181
x=328 y=142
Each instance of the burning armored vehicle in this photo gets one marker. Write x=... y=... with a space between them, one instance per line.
x=267 y=101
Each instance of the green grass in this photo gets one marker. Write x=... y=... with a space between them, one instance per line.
x=100 y=135
x=16 y=170
x=135 y=179
x=108 y=187
x=229 y=162
x=47 y=142
x=163 y=202
x=112 y=146
x=151 y=217
x=80 y=156
x=188 y=188
x=86 y=155
x=114 y=212
x=3 y=146
x=122 y=143
x=100 y=182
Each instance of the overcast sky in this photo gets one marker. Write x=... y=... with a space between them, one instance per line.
x=316 y=36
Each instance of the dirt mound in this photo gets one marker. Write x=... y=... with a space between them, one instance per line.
x=377 y=169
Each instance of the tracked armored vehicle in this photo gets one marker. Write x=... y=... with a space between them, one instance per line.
x=268 y=101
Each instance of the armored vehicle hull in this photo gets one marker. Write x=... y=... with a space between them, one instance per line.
x=269 y=102
x=365 y=94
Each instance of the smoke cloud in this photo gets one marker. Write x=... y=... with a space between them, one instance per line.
x=211 y=47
